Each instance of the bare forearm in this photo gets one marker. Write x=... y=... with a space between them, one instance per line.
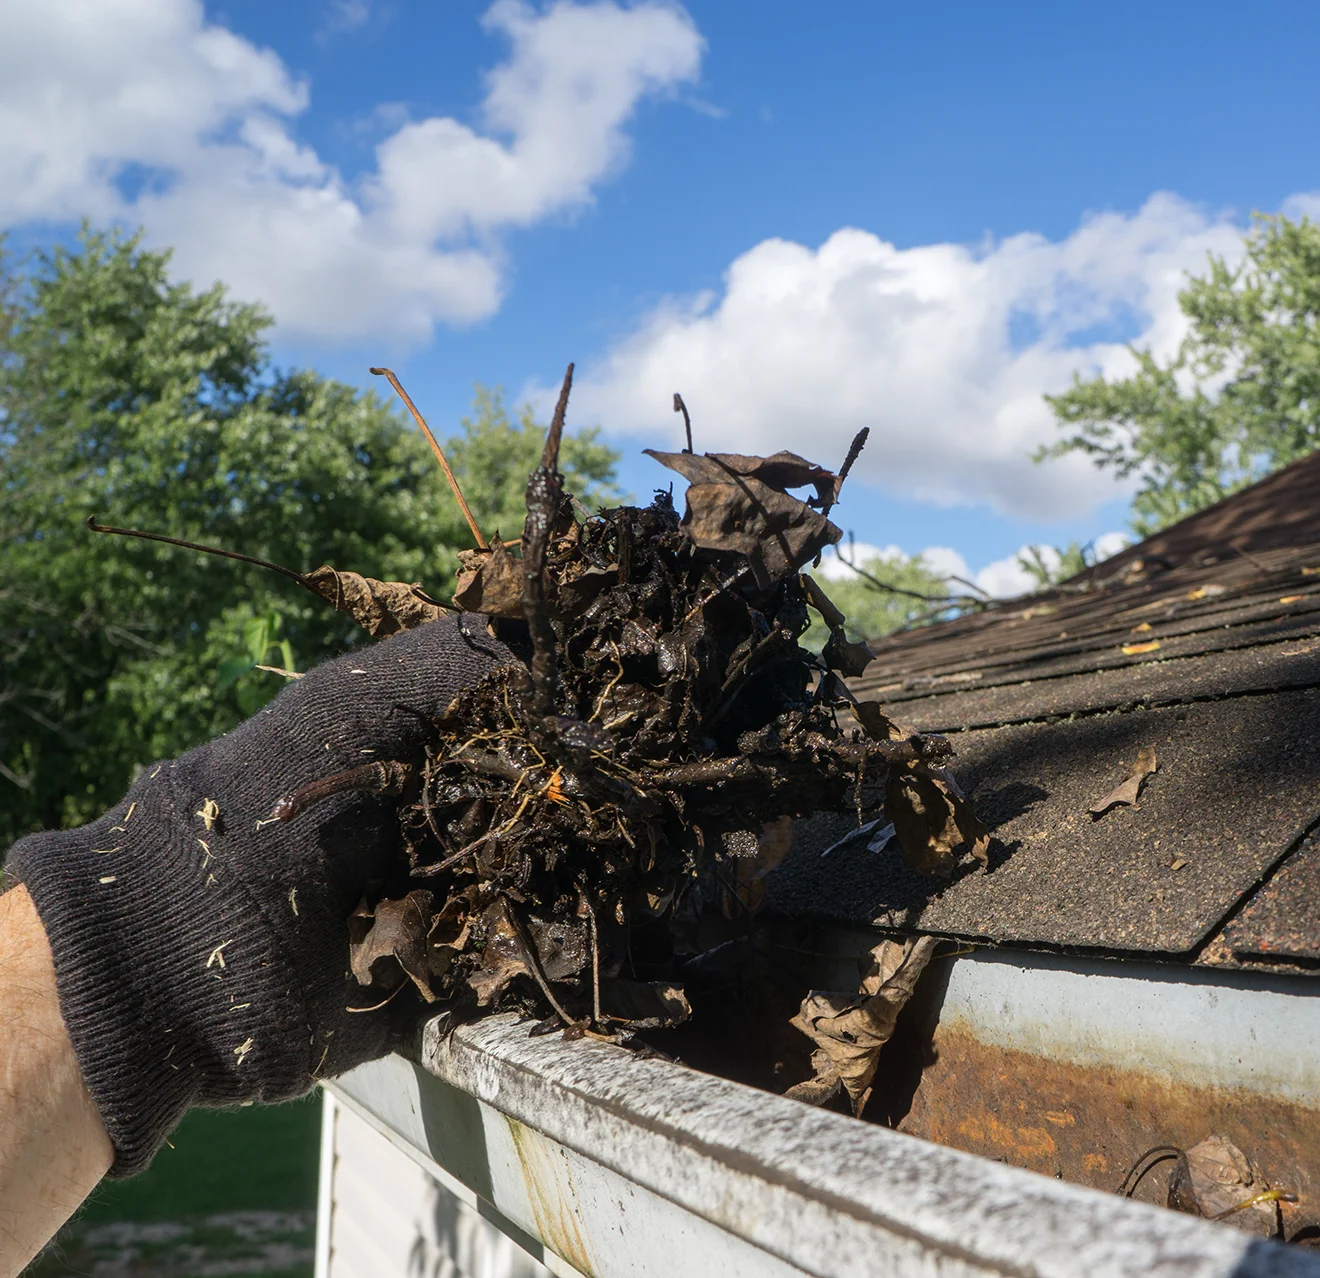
x=53 y=1147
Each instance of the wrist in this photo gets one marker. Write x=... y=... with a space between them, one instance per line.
x=53 y=1145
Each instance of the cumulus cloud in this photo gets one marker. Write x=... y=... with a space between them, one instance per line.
x=143 y=111
x=943 y=350
x=1001 y=579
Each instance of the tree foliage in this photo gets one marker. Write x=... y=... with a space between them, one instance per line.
x=128 y=396
x=888 y=593
x=1240 y=398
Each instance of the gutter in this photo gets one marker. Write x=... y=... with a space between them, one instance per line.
x=612 y=1165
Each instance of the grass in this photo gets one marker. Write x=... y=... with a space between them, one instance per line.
x=260 y=1159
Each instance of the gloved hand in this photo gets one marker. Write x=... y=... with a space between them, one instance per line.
x=201 y=951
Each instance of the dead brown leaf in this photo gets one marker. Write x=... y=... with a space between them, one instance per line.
x=379 y=607
x=876 y=723
x=850 y=1029
x=1135 y=649
x=729 y=509
x=395 y=930
x=1128 y=792
x=933 y=819
x=1144 y=628
x=490 y=581
x=1291 y=599
x=644 y=1005
x=503 y=958
x=820 y=1088
x=748 y=872
x=781 y=471
x=1215 y=1179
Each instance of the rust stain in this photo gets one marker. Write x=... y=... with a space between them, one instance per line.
x=1089 y=1125
x=557 y=1223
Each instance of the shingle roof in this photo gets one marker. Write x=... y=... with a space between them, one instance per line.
x=1204 y=642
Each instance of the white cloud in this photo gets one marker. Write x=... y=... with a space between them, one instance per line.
x=342 y=16
x=1001 y=579
x=804 y=346
x=92 y=95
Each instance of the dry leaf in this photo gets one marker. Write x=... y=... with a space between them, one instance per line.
x=850 y=1029
x=644 y=1005
x=1291 y=598
x=379 y=607
x=1127 y=793
x=1177 y=863
x=490 y=581
x=824 y=1086
x=729 y=509
x=1310 y=572
x=748 y=872
x=781 y=471
x=1143 y=629
x=394 y=930
x=848 y=656
x=1134 y=649
x=1215 y=1179
x=503 y=958
x=933 y=819
x=877 y=724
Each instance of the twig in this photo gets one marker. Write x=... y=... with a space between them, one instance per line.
x=533 y=966
x=435 y=448
x=300 y=578
x=681 y=407
x=544 y=490
x=854 y=451
x=1163 y=1151
x=377 y=777
x=971 y=585
x=375 y=1007
x=595 y=962
x=946 y=600
x=279 y=670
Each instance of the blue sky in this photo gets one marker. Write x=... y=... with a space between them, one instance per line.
x=806 y=219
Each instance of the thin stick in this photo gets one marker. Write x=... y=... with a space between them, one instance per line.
x=300 y=578
x=550 y=457
x=681 y=407
x=375 y=1007
x=595 y=961
x=854 y=450
x=544 y=490
x=436 y=449
x=532 y=965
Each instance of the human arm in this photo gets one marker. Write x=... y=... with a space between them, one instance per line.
x=53 y=1146
x=200 y=948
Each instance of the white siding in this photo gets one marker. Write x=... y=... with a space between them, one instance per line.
x=383 y=1216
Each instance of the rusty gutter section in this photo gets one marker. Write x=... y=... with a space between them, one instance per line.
x=1073 y=1068
x=625 y=1166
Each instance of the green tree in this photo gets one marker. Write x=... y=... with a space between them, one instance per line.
x=886 y=594
x=1240 y=398
x=128 y=396
x=1049 y=565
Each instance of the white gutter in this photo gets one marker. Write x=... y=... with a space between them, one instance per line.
x=646 y=1169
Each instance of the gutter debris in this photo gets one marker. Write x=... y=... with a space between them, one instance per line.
x=576 y=818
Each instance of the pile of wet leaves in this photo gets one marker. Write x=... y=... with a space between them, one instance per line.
x=576 y=817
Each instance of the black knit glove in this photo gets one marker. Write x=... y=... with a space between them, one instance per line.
x=201 y=951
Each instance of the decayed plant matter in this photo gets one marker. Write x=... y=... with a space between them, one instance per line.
x=574 y=815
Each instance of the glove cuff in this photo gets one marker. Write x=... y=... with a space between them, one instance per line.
x=171 y=985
